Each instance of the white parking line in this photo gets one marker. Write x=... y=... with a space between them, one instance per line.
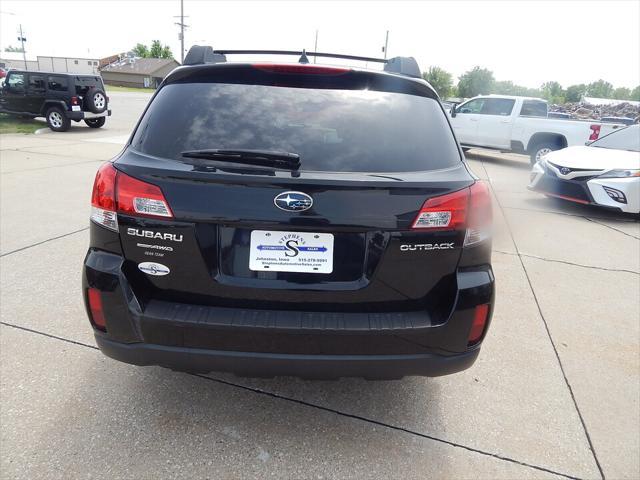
x=120 y=139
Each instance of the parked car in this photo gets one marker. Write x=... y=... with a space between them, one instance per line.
x=520 y=125
x=305 y=220
x=605 y=173
x=58 y=97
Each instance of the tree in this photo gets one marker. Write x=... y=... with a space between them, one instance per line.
x=507 y=87
x=553 y=92
x=475 y=82
x=635 y=94
x=14 y=49
x=166 y=52
x=600 y=89
x=156 y=49
x=575 y=92
x=622 y=93
x=439 y=79
x=141 y=50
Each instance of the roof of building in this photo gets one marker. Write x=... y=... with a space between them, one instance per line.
x=140 y=66
x=608 y=101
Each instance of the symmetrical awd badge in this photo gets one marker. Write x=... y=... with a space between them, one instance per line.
x=293 y=201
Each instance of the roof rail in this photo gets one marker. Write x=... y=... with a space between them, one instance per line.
x=204 y=54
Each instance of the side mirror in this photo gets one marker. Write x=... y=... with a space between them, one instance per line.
x=453 y=112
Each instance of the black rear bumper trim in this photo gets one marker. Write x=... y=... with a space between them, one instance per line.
x=274 y=364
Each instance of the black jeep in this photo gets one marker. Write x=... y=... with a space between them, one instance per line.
x=58 y=97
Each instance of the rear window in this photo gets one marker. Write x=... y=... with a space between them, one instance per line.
x=331 y=130
x=83 y=84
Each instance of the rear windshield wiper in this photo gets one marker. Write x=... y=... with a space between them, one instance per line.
x=263 y=158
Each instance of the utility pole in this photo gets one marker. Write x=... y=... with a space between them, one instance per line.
x=315 y=48
x=386 y=44
x=182 y=27
x=21 y=39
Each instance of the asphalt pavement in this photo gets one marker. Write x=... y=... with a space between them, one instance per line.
x=554 y=394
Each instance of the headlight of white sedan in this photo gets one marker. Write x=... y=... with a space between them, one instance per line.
x=620 y=173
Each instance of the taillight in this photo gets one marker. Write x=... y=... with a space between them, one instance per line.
x=136 y=197
x=115 y=191
x=74 y=101
x=95 y=306
x=480 y=316
x=480 y=215
x=306 y=69
x=446 y=212
x=468 y=209
x=103 y=197
x=595 y=132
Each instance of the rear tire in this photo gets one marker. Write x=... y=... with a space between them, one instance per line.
x=541 y=150
x=96 y=100
x=57 y=120
x=95 y=122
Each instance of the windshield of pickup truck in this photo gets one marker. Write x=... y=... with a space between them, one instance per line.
x=625 y=139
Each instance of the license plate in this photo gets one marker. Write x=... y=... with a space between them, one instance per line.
x=291 y=252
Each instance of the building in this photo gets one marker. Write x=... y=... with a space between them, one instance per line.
x=138 y=72
x=607 y=101
x=50 y=64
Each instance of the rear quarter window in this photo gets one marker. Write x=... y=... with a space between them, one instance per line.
x=533 y=108
x=58 y=83
x=331 y=130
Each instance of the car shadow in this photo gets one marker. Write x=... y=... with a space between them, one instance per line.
x=520 y=163
x=157 y=417
x=558 y=205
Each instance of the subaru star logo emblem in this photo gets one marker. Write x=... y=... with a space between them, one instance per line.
x=293 y=201
x=565 y=170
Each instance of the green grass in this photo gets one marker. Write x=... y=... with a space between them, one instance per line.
x=13 y=124
x=115 y=88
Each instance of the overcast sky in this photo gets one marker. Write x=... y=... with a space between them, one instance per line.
x=526 y=42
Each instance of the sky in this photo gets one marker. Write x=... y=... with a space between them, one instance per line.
x=526 y=42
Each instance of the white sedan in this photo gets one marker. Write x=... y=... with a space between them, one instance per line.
x=604 y=173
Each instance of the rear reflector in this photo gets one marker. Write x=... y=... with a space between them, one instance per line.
x=306 y=69
x=95 y=305
x=114 y=191
x=479 y=323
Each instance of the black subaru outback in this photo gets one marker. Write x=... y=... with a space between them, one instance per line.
x=291 y=219
x=58 y=97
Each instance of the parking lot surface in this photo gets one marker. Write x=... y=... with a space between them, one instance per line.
x=554 y=394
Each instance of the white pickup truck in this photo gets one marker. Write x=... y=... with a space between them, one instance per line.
x=520 y=125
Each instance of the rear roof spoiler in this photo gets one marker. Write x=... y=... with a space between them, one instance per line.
x=199 y=55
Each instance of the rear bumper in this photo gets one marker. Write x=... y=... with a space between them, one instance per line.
x=272 y=364
x=81 y=115
x=270 y=342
